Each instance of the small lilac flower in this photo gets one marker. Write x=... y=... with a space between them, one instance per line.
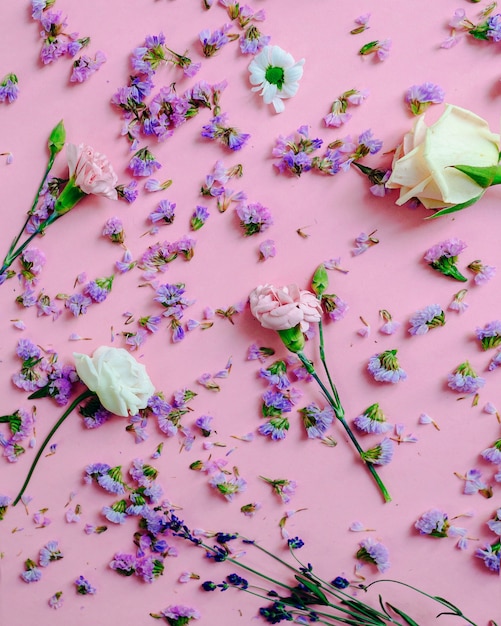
x=458 y=304
x=429 y=317
x=32 y=573
x=267 y=250
x=164 y=212
x=84 y=587
x=125 y=564
x=56 y=601
x=465 y=380
x=143 y=163
x=494 y=524
x=85 y=66
x=424 y=418
x=228 y=486
x=78 y=304
x=276 y=428
x=373 y=420
x=495 y=361
x=493 y=454
x=204 y=423
x=374 y=552
x=420 y=97
x=111 y=480
x=116 y=513
x=254 y=218
x=490 y=335
x=50 y=552
x=229 y=136
x=380 y=48
x=199 y=217
x=363 y=242
x=390 y=326
x=434 y=523
x=215 y=40
x=179 y=615
x=252 y=40
x=283 y=487
x=4 y=505
x=385 y=367
x=9 y=90
x=249 y=510
x=443 y=257
x=491 y=555
x=380 y=454
x=114 y=230
x=128 y=192
x=335 y=307
x=316 y=420
x=362 y=22
x=483 y=273
x=473 y=483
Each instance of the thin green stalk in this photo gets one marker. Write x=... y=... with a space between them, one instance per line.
x=324 y=363
x=83 y=396
x=340 y=416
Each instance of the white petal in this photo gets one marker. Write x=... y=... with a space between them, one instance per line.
x=278 y=105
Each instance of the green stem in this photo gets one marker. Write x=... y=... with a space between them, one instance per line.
x=458 y=613
x=338 y=410
x=83 y=396
x=324 y=363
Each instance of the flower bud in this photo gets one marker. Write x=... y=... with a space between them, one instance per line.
x=320 y=280
x=57 y=139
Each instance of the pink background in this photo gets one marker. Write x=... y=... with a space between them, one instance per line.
x=333 y=487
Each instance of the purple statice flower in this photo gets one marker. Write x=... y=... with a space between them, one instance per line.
x=495 y=361
x=443 y=257
x=116 y=513
x=150 y=323
x=494 y=524
x=97 y=290
x=26 y=350
x=276 y=375
x=114 y=230
x=380 y=454
x=152 y=185
x=142 y=473
x=84 y=587
x=420 y=97
x=125 y=564
x=56 y=601
x=494 y=28
x=147 y=58
x=32 y=261
x=458 y=304
x=363 y=242
x=338 y=115
x=429 y=317
x=228 y=486
x=275 y=402
x=204 y=423
x=267 y=250
x=381 y=48
x=9 y=89
x=474 y=483
x=465 y=380
x=199 y=217
x=38 y=7
x=4 y=504
x=254 y=218
x=128 y=192
x=374 y=552
x=215 y=40
x=256 y=353
x=229 y=136
x=85 y=66
x=78 y=304
x=185 y=247
x=491 y=556
x=373 y=420
x=282 y=487
x=32 y=573
x=27 y=298
x=164 y=212
x=334 y=306
x=385 y=367
x=482 y=272
x=490 y=335
x=276 y=428
x=111 y=480
x=362 y=22
x=316 y=420
x=178 y=614
x=45 y=306
x=50 y=552
x=126 y=264
x=94 y=471
x=171 y=296
x=435 y=523
x=143 y=163
x=493 y=454
x=390 y=326
x=253 y=40
x=135 y=340
x=294 y=150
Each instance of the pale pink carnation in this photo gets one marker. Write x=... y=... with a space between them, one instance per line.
x=282 y=308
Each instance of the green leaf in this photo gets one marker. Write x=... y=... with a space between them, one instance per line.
x=483 y=176
x=315 y=590
x=366 y=611
x=404 y=616
x=456 y=207
x=448 y=604
x=43 y=392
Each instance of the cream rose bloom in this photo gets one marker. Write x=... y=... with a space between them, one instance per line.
x=283 y=308
x=92 y=171
x=121 y=383
x=422 y=163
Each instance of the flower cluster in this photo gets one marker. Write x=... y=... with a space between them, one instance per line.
x=254 y=218
x=430 y=317
x=251 y=40
x=436 y=523
x=374 y=552
x=43 y=375
x=9 y=89
x=420 y=97
x=373 y=420
x=487 y=29
x=294 y=152
x=385 y=367
x=20 y=427
x=85 y=66
x=464 y=379
x=443 y=258
x=217 y=129
x=490 y=335
x=214 y=186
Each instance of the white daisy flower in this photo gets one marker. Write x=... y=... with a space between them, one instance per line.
x=276 y=75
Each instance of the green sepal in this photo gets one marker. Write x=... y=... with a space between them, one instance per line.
x=68 y=198
x=320 y=280
x=57 y=139
x=483 y=176
x=293 y=338
x=456 y=207
x=43 y=392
